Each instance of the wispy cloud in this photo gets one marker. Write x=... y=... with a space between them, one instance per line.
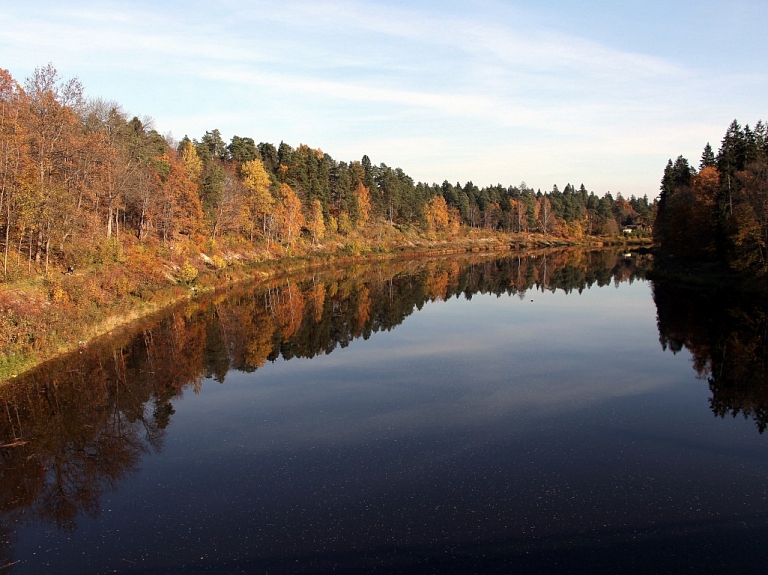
x=486 y=79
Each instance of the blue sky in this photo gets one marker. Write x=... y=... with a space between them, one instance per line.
x=546 y=92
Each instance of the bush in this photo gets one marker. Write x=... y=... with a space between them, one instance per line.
x=219 y=262
x=187 y=273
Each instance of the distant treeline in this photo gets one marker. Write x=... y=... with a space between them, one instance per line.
x=720 y=212
x=79 y=177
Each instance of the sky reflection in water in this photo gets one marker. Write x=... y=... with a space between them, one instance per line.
x=549 y=433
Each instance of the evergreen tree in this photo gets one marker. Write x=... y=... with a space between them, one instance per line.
x=269 y=157
x=216 y=147
x=242 y=150
x=676 y=177
x=707 y=158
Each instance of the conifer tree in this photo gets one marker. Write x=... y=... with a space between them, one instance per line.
x=707 y=158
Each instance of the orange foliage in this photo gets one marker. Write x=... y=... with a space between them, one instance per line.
x=436 y=286
x=363 y=198
x=437 y=214
x=363 y=313
x=183 y=212
x=288 y=306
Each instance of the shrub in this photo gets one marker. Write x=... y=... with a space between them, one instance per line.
x=187 y=273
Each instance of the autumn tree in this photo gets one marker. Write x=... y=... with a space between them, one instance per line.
x=519 y=214
x=289 y=215
x=117 y=143
x=492 y=216
x=316 y=296
x=363 y=204
x=288 y=305
x=258 y=197
x=191 y=160
x=180 y=209
x=748 y=232
x=721 y=213
x=437 y=214
x=55 y=140
x=702 y=227
x=15 y=174
x=544 y=215
x=316 y=221
x=231 y=212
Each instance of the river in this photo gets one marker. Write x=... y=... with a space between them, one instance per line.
x=548 y=412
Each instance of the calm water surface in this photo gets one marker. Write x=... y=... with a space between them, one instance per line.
x=523 y=415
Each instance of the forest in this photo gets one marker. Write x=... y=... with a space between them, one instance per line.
x=81 y=181
x=718 y=213
x=103 y=219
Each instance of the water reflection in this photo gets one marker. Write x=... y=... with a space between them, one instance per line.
x=727 y=334
x=72 y=429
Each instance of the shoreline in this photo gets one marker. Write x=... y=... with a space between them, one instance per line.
x=242 y=270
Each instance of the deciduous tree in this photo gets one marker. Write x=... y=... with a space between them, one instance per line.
x=436 y=214
x=259 y=198
x=316 y=221
x=290 y=220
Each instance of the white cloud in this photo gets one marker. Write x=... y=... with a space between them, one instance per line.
x=486 y=80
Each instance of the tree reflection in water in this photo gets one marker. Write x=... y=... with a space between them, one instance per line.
x=71 y=429
x=727 y=334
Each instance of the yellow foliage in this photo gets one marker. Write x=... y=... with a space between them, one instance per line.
x=437 y=214
x=146 y=264
x=58 y=295
x=575 y=229
x=219 y=262
x=187 y=273
x=289 y=310
x=259 y=200
x=333 y=224
x=345 y=224
x=363 y=307
x=290 y=220
x=363 y=198
x=436 y=286
x=192 y=162
x=316 y=221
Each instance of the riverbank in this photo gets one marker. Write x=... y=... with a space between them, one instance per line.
x=43 y=316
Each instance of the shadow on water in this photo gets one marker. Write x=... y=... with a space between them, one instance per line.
x=726 y=332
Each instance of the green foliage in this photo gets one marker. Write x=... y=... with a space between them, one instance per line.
x=242 y=150
x=707 y=158
x=344 y=224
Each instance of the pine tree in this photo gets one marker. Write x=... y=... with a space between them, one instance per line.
x=707 y=158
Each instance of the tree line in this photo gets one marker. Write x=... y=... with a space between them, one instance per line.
x=720 y=211
x=79 y=177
